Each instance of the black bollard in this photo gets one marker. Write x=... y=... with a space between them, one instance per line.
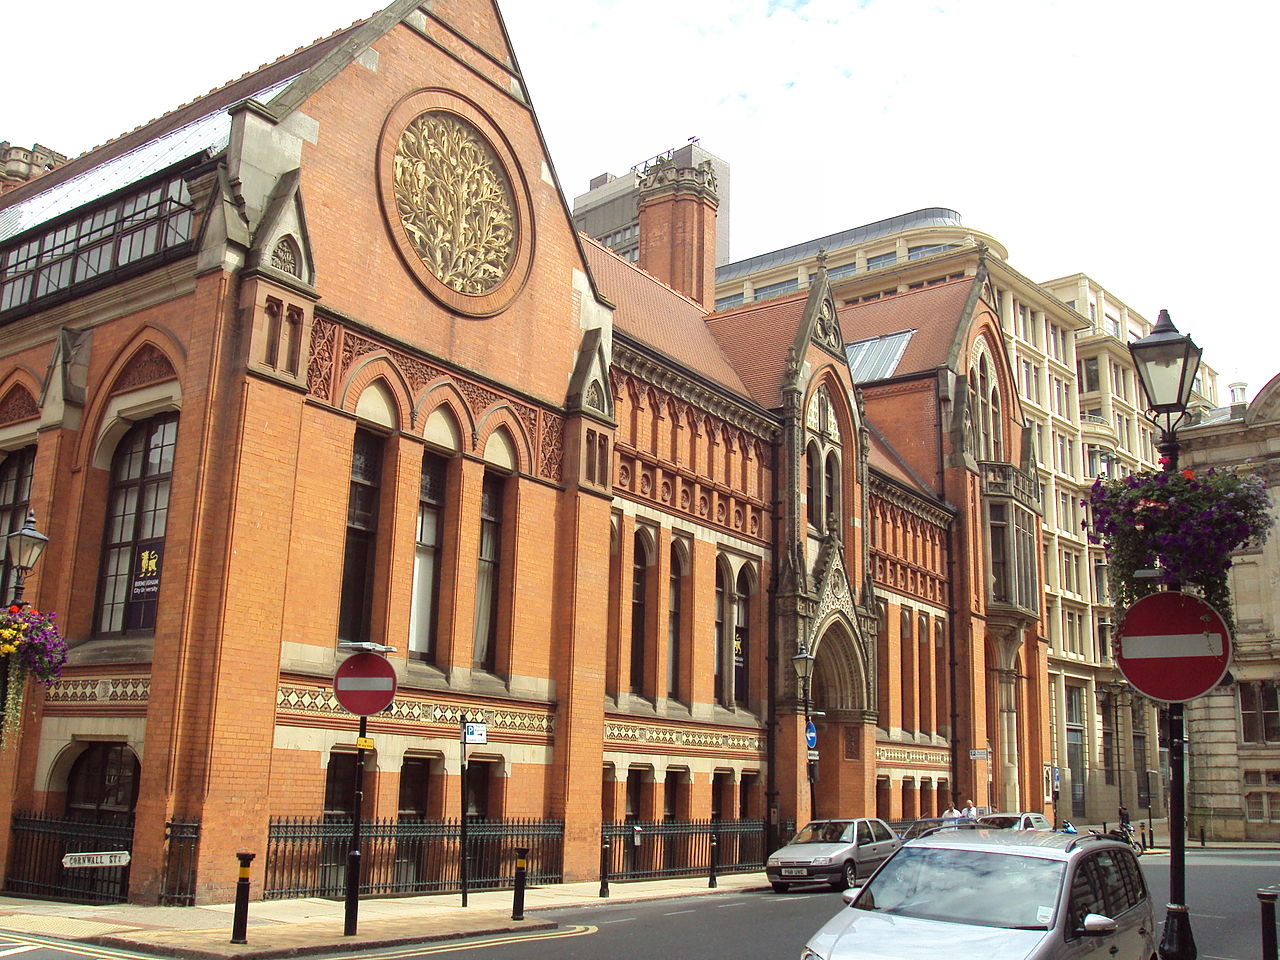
x=240 y=919
x=1267 y=897
x=517 y=898
x=604 y=867
x=1202 y=836
x=711 y=880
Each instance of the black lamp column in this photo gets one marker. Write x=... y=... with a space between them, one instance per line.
x=1167 y=362
x=803 y=662
x=25 y=546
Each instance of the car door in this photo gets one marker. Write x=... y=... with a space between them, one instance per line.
x=1086 y=897
x=1127 y=901
x=886 y=840
x=865 y=851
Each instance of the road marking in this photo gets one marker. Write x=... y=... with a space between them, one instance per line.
x=448 y=946
x=721 y=906
x=676 y=913
x=619 y=920
x=67 y=946
x=10 y=953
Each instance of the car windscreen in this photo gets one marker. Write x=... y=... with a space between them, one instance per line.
x=966 y=886
x=825 y=831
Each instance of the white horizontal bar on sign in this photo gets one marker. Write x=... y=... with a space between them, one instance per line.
x=364 y=683
x=1171 y=645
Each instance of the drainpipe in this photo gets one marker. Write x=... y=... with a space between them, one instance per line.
x=771 y=724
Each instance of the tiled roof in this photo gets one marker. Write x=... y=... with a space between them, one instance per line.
x=202 y=124
x=756 y=338
x=651 y=312
x=933 y=312
x=883 y=458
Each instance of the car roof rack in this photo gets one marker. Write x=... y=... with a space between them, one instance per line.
x=1091 y=835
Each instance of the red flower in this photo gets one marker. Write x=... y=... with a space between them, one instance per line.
x=1188 y=474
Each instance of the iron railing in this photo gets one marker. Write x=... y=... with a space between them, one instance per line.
x=307 y=856
x=647 y=850
x=39 y=844
x=182 y=843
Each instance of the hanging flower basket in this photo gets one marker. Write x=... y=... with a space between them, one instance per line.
x=1183 y=525
x=30 y=646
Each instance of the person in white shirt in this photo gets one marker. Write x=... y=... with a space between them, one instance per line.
x=952 y=812
x=970 y=810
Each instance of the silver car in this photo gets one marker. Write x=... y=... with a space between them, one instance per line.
x=837 y=852
x=996 y=895
x=1015 y=821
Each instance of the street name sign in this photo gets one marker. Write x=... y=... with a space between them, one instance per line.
x=1173 y=647
x=365 y=683
x=109 y=858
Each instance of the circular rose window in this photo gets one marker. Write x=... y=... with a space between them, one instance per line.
x=454 y=211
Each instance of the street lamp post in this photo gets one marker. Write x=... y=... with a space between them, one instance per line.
x=803 y=662
x=1167 y=362
x=26 y=544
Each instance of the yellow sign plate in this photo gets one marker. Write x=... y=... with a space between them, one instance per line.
x=364 y=743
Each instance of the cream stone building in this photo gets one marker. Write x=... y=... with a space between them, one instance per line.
x=1233 y=744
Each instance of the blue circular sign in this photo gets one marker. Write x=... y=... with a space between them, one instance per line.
x=811 y=735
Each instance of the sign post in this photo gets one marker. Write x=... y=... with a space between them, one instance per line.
x=364 y=683
x=1173 y=647
x=468 y=732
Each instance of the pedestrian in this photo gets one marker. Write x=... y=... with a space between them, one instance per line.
x=1124 y=816
x=951 y=812
x=970 y=810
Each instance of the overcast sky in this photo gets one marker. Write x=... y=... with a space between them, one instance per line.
x=1126 y=139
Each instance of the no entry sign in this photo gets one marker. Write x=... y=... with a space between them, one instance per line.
x=365 y=683
x=1173 y=647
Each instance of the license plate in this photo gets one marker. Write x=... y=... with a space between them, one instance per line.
x=794 y=872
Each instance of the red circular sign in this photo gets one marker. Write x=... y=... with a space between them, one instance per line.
x=1173 y=647
x=365 y=683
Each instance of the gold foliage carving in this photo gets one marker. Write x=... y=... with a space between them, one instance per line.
x=455 y=202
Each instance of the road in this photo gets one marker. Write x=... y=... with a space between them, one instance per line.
x=1221 y=888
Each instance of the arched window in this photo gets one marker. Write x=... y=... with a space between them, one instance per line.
x=997 y=439
x=674 y=612
x=742 y=639
x=423 y=612
x=484 y=639
x=639 y=611
x=813 y=486
x=718 y=653
x=355 y=602
x=15 y=501
x=831 y=489
x=137 y=516
x=102 y=786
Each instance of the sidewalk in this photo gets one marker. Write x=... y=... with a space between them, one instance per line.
x=290 y=928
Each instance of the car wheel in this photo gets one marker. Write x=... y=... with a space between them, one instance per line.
x=778 y=887
x=848 y=876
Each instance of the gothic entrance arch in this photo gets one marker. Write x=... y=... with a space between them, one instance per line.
x=842 y=694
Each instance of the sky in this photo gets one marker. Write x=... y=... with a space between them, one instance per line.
x=1126 y=139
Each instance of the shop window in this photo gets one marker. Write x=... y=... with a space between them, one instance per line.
x=137 y=517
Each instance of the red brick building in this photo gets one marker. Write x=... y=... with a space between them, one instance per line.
x=318 y=358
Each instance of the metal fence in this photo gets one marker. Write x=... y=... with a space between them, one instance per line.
x=307 y=856
x=39 y=844
x=182 y=843
x=650 y=850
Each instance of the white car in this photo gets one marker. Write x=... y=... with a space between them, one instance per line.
x=996 y=895
x=1015 y=821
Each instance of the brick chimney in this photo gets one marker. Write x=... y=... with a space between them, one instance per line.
x=678 y=227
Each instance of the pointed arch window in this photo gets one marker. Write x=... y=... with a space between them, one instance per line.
x=423 y=610
x=488 y=571
x=721 y=626
x=137 y=517
x=675 y=612
x=813 y=486
x=639 y=612
x=15 y=500
x=742 y=639
x=831 y=491
x=355 y=605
